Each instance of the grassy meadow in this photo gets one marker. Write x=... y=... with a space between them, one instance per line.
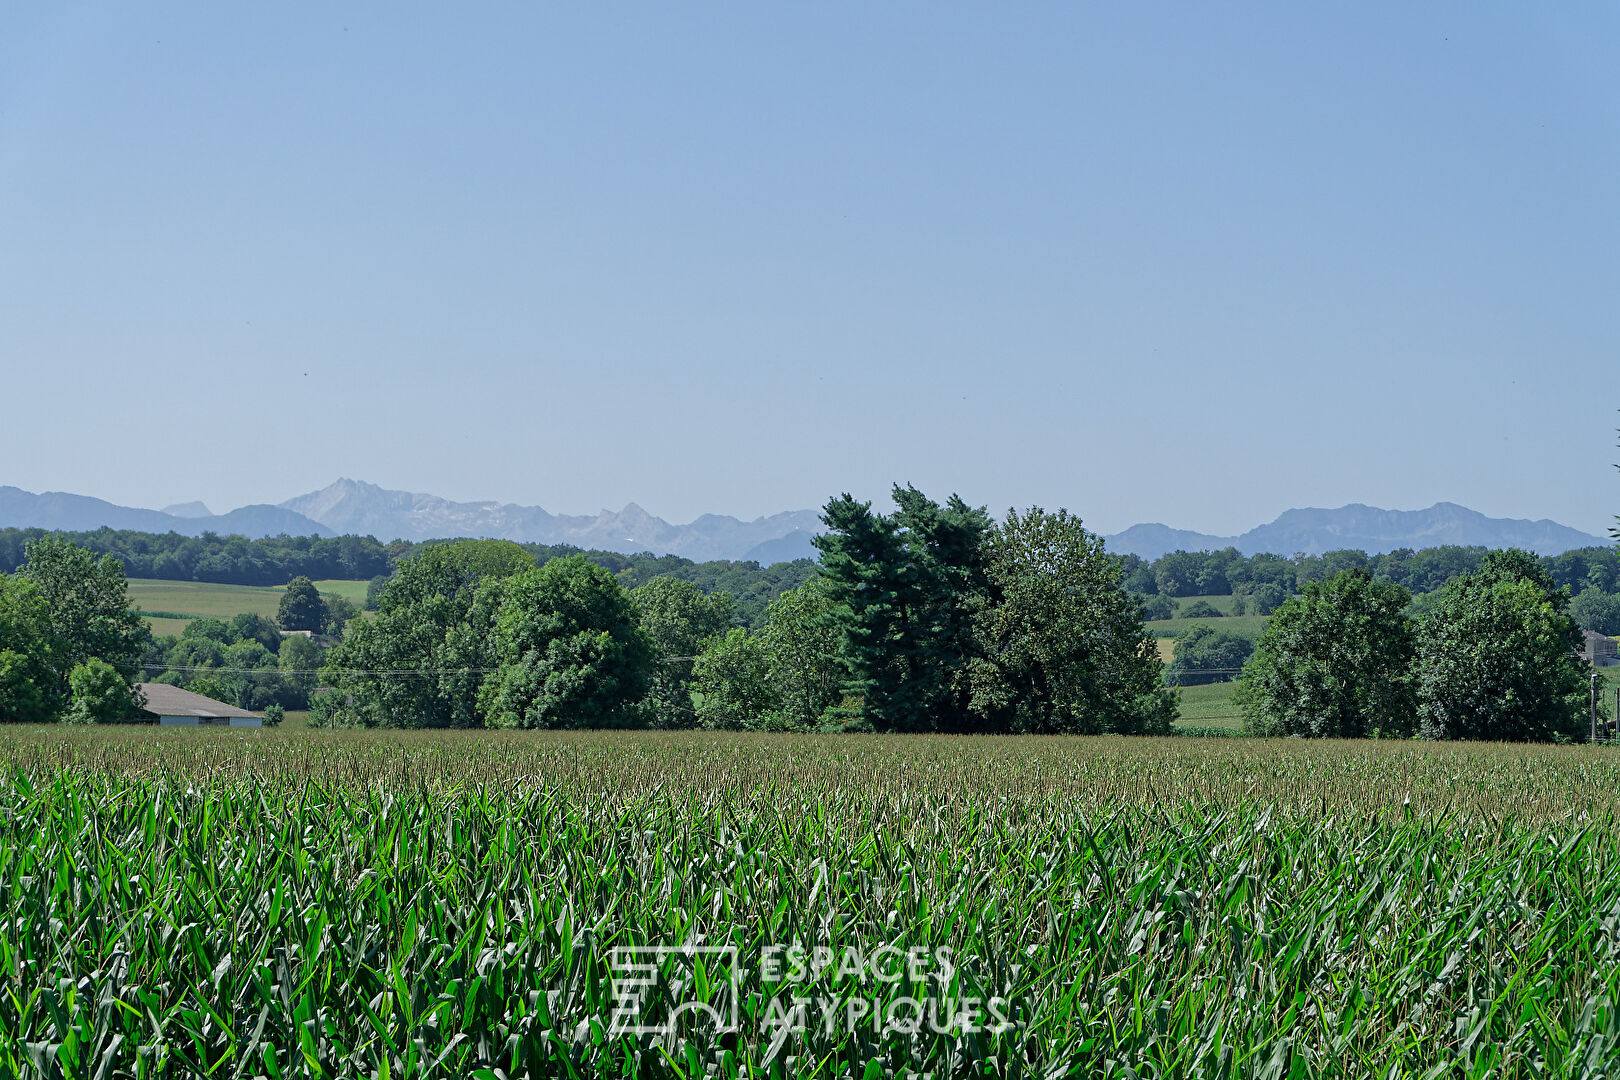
x=195 y=599
x=1246 y=626
x=1209 y=706
x=304 y=903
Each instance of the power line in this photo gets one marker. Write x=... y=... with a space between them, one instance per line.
x=347 y=670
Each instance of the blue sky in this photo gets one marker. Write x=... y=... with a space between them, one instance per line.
x=1149 y=262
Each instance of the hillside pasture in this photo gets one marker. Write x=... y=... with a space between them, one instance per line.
x=199 y=599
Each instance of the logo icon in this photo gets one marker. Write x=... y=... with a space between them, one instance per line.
x=656 y=987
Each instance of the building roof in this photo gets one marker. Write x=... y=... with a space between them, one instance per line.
x=165 y=700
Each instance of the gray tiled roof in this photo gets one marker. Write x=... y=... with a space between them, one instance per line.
x=165 y=700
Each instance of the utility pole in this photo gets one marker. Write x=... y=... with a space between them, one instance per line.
x=1597 y=699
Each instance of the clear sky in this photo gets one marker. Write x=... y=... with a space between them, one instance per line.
x=1193 y=263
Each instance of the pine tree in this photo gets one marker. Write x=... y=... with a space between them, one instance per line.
x=904 y=590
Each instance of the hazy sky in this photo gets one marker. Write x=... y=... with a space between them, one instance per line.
x=1193 y=264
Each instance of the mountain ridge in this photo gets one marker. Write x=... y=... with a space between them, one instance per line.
x=357 y=506
x=1313 y=530
x=354 y=506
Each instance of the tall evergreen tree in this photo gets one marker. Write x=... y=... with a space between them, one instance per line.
x=904 y=589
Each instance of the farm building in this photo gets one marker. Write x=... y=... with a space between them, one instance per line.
x=171 y=706
x=1599 y=651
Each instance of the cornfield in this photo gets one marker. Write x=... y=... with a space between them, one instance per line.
x=340 y=904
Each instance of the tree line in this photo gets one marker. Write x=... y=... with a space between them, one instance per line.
x=1494 y=657
x=933 y=618
x=276 y=560
x=1228 y=572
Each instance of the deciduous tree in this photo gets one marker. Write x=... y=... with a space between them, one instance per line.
x=301 y=607
x=100 y=694
x=1334 y=661
x=1061 y=644
x=27 y=664
x=434 y=624
x=1204 y=655
x=570 y=651
x=1496 y=657
x=678 y=618
x=88 y=604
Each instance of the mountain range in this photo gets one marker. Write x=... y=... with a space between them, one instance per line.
x=353 y=506
x=1366 y=528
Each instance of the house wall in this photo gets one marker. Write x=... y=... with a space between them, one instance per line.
x=177 y=721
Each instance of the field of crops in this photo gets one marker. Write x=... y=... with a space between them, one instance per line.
x=283 y=903
x=1209 y=706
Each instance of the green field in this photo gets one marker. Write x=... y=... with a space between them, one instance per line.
x=1247 y=626
x=196 y=599
x=1222 y=604
x=1209 y=706
x=297 y=903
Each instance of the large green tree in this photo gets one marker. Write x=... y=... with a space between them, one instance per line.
x=423 y=659
x=801 y=641
x=732 y=680
x=1594 y=609
x=1334 y=661
x=301 y=607
x=99 y=694
x=786 y=677
x=300 y=661
x=88 y=603
x=570 y=650
x=904 y=588
x=28 y=666
x=1497 y=657
x=1061 y=645
x=678 y=618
